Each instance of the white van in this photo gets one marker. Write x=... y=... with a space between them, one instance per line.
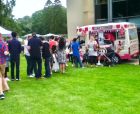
x=123 y=35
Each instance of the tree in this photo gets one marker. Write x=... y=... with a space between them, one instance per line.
x=6 y=10
x=48 y=3
x=57 y=2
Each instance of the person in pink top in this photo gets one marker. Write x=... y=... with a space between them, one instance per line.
x=3 y=52
x=52 y=42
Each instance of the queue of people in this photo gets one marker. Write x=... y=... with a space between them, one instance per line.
x=53 y=51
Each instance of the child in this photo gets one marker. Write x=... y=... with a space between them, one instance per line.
x=55 y=65
x=85 y=58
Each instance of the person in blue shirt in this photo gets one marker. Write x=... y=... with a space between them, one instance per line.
x=76 y=55
x=15 y=49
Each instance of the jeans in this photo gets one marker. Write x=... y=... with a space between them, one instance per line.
x=29 y=70
x=47 y=67
x=77 y=60
x=36 y=64
x=15 y=61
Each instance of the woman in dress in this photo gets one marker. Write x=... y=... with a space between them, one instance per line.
x=62 y=54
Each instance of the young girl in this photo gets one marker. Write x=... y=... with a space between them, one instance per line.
x=55 y=65
x=62 y=54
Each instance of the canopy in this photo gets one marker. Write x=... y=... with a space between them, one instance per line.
x=38 y=35
x=50 y=34
x=3 y=31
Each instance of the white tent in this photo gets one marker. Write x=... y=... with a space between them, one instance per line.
x=38 y=35
x=50 y=34
x=3 y=31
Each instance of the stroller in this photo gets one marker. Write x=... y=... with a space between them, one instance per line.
x=108 y=55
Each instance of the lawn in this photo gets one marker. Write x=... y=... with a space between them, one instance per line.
x=101 y=90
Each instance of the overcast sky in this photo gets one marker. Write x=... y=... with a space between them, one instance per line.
x=27 y=7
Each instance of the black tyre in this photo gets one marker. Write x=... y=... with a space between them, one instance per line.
x=116 y=59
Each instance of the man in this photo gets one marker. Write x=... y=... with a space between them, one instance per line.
x=15 y=50
x=35 y=54
x=76 y=54
x=47 y=57
x=3 y=52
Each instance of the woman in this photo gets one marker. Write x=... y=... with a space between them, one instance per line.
x=92 y=50
x=62 y=54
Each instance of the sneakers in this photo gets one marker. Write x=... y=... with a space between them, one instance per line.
x=31 y=76
x=2 y=97
x=99 y=64
x=7 y=79
x=17 y=79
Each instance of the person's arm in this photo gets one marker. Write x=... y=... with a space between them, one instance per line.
x=9 y=46
x=20 y=48
x=5 y=49
x=29 y=45
x=43 y=50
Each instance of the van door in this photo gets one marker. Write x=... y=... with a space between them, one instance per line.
x=134 y=43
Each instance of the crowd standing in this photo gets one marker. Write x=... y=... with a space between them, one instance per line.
x=55 y=53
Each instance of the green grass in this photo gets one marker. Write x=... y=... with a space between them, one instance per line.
x=101 y=90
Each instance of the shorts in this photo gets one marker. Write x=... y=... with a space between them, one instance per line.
x=93 y=60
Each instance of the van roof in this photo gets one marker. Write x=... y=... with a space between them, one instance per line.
x=107 y=24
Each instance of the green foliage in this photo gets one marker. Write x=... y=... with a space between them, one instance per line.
x=6 y=10
x=56 y=20
x=52 y=19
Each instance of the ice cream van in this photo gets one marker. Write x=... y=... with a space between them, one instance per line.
x=123 y=35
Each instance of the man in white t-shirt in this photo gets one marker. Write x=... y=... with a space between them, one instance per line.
x=27 y=56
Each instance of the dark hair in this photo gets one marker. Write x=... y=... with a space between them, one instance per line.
x=41 y=38
x=33 y=34
x=52 y=37
x=53 y=48
x=62 y=43
x=56 y=39
x=74 y=39
x=14 y=34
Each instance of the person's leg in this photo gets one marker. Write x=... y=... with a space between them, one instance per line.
x=28 y=64
x=12 y=69
x=34 y=66
x=31 y=66
x=64 y=67
x=60 y=68
x=47 y=67
x=72 y=59
x=1 y=90
x=75 y=61
x=39 y=67
x=3 y=83
x=95 y=60
x=90 y=60
x=17 y=68
x=5 y=86
x=6 y=70
x=79 y=61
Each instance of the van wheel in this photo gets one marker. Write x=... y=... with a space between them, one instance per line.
x=116 y=59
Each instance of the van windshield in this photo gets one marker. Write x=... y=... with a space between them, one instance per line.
x=133 y=34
